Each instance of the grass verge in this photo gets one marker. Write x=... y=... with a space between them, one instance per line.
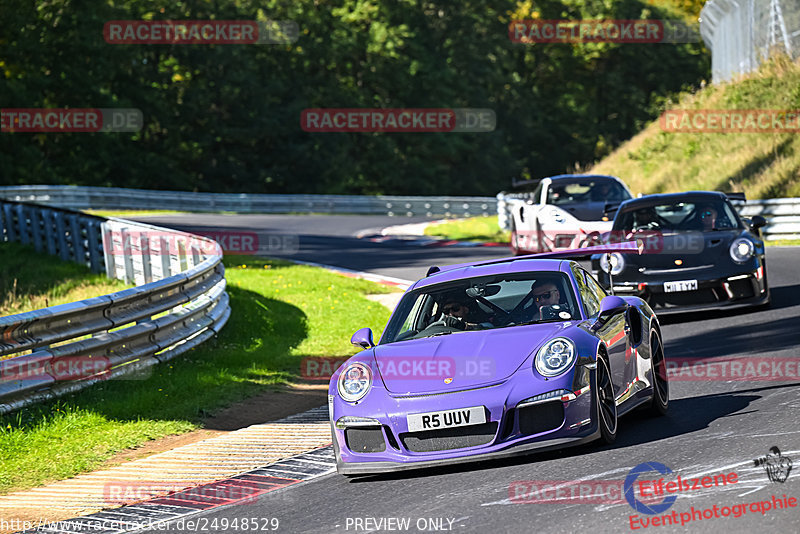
x=30 y=280
x=281 y=312
x=763 y=165
x=471 y=229
x=783 y=243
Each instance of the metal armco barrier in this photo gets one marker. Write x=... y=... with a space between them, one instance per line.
x=782 y=214
x=179 y=302
x=114 y=198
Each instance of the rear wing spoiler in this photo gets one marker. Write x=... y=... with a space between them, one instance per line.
x=736 y=196
x=518 y=184
x=627 y=247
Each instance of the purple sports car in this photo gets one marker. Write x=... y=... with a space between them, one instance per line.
x=493 y=359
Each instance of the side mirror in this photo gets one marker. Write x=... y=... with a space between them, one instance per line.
x=609 y=306
x=757 y=221
x=363 y=338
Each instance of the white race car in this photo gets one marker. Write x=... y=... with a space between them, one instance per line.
x=564 y=212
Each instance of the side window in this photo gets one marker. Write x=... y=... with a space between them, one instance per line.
x=590 y=300
x=595 y=287
x=537 y=194
x=413 y=316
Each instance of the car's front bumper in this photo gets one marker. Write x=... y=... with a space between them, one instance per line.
x=512 y=427
x=714 y=291
x=370 y=468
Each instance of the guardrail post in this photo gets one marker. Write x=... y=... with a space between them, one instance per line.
x=2 y=223
x=180 y=244
x=158 y=252
x=11 y=235
x=49 y=218
x=109 y=243
x=36 y=229
x=78 y=250
x=196 y=256
x=93 y=229
x=22 y=224
x=127 y=257
x=144 y=246
x=61 y=237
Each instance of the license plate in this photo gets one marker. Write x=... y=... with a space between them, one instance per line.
x=681 y=285
x=446 y=419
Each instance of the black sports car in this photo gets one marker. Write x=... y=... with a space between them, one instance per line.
x=698 y=252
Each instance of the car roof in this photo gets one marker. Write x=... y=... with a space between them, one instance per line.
x=664 y=198
x=569 y=177
x=534 y=183
x=492 y=267
x=543 y=261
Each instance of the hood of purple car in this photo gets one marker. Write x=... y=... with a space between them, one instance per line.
x=459 y=360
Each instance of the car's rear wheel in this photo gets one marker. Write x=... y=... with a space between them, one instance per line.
x=660 y=401
x=606 y=405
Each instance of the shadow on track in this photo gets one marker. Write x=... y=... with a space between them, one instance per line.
x=769 y=336
x=782 y=297
x=685 y=416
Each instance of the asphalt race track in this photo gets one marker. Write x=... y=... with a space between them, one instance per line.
x=714 y=425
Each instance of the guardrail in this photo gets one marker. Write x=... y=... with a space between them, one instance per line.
x=782 y=214
x=180 y=301
x=114 y=198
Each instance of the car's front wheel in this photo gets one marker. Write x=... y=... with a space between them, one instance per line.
x=660 y=380
x=606 y=405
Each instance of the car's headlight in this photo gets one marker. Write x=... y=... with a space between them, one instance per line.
x=742 y=249
x=555 y=357
x=616 y=264
x=354 y=382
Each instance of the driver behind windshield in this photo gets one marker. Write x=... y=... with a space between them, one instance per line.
x=455 y=312
x=645 y=219
x=545 y=293
x=708 y=216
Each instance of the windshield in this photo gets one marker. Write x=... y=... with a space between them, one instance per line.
x=482 y=303
x=589 y=190
x=695 y=216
